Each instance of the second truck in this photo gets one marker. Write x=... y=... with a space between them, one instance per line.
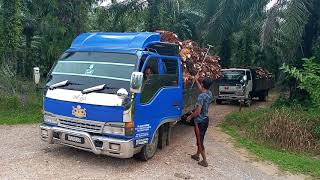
x=238 y=84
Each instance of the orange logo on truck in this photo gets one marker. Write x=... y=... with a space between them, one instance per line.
x=79 y=112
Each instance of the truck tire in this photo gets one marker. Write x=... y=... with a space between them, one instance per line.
x=149 y=150
x=219 y=101
x=263 y=96
x=163 y=136
x=248 y=101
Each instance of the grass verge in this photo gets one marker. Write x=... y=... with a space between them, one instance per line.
x=14 y=110
x=286 y=160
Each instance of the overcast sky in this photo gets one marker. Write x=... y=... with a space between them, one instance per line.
x=107 y=2
x=272 y=2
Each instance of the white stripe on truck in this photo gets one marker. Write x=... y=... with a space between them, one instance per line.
x=101 y=99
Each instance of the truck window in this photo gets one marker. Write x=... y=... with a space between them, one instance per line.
x=89 y=69
x=248 y=75
x=154 y=81
x=170 y=76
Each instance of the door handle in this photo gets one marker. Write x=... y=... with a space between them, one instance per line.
x=176 y=104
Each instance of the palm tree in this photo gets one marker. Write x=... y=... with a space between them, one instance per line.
x=296 y=25
x=149 y=15
x=290 y=27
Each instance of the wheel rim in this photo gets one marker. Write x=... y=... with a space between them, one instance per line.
x=152 y=148
x=249 y=101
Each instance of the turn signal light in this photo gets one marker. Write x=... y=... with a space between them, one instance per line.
x=129 y=128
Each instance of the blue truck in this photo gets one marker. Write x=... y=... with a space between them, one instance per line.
x=97 y=97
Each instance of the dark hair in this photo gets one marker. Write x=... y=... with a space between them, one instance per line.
x=148 y=67
x=206 y=83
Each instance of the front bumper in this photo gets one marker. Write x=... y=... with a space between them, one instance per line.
x=95 y=144
x=231 y=97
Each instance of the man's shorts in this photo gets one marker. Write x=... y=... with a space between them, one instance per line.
x=200 y=130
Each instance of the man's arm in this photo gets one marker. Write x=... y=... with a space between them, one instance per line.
x=195 y=113
x=196 y=79
x=198 y=84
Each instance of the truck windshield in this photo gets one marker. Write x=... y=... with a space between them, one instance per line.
x=232 y=76
x=87 y=69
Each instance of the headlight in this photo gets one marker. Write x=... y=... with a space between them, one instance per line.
x=50 y=119
x=239 y=93
x=114 y=128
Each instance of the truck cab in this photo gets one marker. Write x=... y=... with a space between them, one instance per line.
x=237 y=84
x=98 y=97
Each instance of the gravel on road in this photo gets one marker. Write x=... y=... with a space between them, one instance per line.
x=24 y=156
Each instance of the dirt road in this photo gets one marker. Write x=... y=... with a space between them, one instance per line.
x=24 y=156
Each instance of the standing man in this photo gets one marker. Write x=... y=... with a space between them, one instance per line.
x=201 y=119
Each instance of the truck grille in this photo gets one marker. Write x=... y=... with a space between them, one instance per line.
x=81 y=125
x=227 y=93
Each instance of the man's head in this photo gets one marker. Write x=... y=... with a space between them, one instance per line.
x=206 y=83
x=147 y=72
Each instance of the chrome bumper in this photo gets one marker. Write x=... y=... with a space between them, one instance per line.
x=95 y=144
x=230 y=97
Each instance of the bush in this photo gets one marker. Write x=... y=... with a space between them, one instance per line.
x=289 y=130
x=20 y=103
x=10 y=102
x=284 y=128
x=309 y=78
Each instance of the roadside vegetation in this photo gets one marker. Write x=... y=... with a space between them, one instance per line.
x=286 y=160
x=24 y=106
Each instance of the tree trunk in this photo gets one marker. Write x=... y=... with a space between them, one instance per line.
x=153 y=14
x=311 y=30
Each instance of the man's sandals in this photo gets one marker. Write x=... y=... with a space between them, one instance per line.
x=201 y=163
x=195 y=157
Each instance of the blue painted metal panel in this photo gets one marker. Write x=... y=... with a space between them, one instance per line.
x=93 y=112
x=152 y=114
x=102 y=49
x=167 y=103
x=124 y=41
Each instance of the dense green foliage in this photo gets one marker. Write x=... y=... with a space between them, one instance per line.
x=309 y=78
x=17 y=110
x=35 y=33
x=23 y=107
x=243 y=32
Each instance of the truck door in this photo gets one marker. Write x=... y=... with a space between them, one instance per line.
x=161 y=97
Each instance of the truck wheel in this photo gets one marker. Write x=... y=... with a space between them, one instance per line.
x=248 y=102
x=262 y=98
x=219 y=101
x=149 y=150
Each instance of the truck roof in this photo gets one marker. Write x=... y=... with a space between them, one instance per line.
x=114 y=41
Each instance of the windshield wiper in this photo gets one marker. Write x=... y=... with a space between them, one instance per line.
x=59 y=84
x=62 y=83
x=95 y=88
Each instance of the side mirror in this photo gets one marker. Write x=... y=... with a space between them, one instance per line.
x=245 y=78
x=36 y=75
x=136 y=82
